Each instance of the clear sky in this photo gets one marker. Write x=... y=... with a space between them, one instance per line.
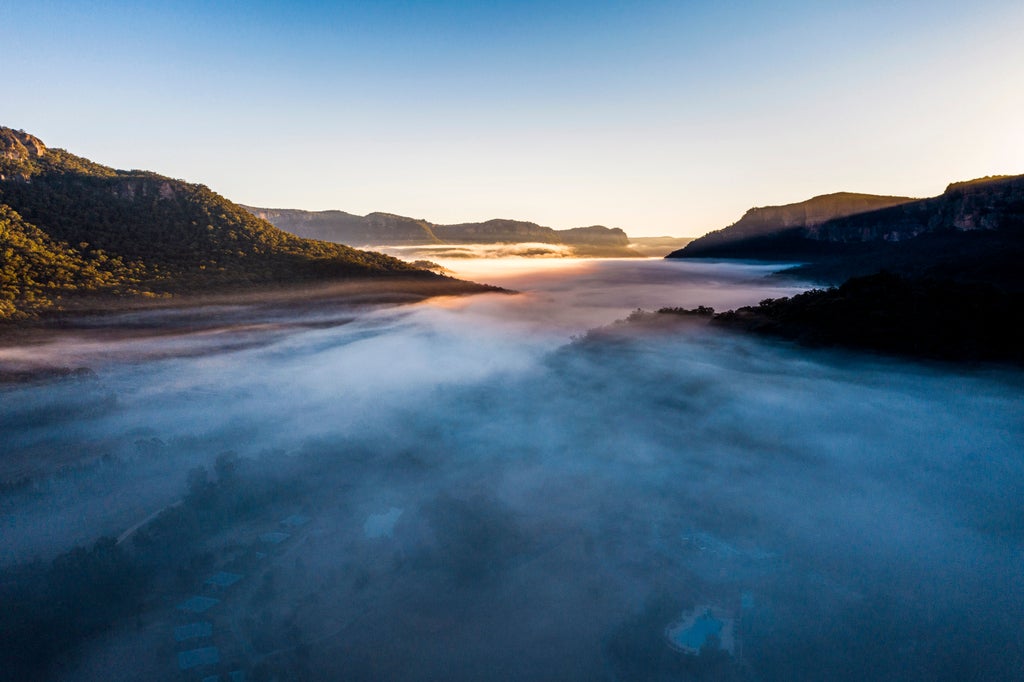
x=657 y=117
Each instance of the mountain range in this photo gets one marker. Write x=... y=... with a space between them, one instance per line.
x=74 y=233
x=973 y=231
x=388 y=229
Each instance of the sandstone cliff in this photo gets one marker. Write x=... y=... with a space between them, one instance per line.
x=993 y=203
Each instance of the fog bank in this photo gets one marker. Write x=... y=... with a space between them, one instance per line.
x=479 y=496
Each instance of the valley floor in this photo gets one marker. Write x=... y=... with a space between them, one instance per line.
x=474 y=487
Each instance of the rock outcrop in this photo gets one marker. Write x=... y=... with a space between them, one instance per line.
x=17 y=145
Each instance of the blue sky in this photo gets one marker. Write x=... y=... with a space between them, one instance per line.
x=658 y=117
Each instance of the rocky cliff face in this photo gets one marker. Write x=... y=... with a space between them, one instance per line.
x=17 y=145
x=18 y=150
x=986 y=204
x=142 y=188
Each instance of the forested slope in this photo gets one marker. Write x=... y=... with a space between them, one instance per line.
x=74 y=230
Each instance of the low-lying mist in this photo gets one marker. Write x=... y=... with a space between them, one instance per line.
x=472 y=488
x=504 y=251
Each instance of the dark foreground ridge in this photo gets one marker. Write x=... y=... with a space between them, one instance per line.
x=76 y=234
x=888 y=313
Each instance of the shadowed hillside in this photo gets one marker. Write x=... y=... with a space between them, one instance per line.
x=776 y=221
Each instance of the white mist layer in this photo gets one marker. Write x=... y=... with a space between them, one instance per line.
x=558 y=501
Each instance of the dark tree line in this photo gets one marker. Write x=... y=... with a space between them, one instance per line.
x=913 y=316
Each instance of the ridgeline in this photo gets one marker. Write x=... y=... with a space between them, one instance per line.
x=974 y=231
x=388 y=229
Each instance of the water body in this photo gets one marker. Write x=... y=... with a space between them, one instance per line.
x=699 y=629
x=561 y=502
x=381 y=525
